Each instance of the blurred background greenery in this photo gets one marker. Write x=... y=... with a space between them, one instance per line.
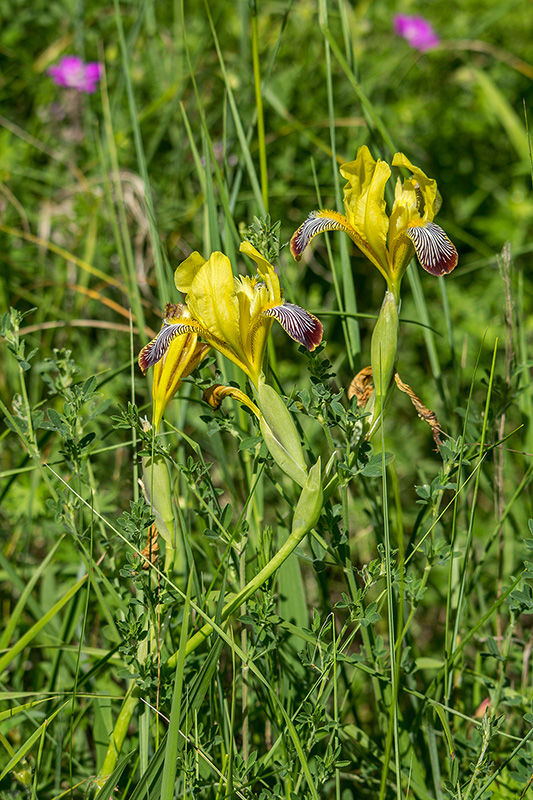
x=103 y=195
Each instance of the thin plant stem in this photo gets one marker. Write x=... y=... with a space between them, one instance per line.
x=244 y=668
x=392 y=729
x=366 y=105
x=259 y=108
x=350 y=323
x=251 y=587
x=460 y=599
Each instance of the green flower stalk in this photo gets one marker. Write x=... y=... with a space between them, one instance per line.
x=305 y=517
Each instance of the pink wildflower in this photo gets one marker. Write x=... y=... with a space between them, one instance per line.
x=417 y=32
x=74 y=74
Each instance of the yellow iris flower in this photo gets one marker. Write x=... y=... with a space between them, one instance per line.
x=233 y=315
x=389 y=241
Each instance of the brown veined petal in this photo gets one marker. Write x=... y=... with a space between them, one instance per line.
x=318 y=222
x=156 y=349
x=301 y=326
x=435 y=251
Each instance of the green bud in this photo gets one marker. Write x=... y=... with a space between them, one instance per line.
x=158 y=492
x=310 y=503
x=383 y=354
x=23 y=775
x=280 y=434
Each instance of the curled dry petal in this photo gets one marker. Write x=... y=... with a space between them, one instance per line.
x=215 y=394
x=361 y=387
x=425 y=414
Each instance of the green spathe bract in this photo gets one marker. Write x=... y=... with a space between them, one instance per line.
x=159 y=494
x=383 y=353
x=280 y=434
x=309 y=504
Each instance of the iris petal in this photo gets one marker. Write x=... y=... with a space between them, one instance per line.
x=301 y=326
x=156 y=349
x=318 y=222
x=266 y=270
x=427 y=187
x=364 y=201
x=435 y=251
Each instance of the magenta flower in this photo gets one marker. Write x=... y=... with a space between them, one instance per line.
x=74 y=74
x=417 y=32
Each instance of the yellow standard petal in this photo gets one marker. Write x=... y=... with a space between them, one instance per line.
x=211 y=298
x=222 y=307
x=187 y=270
x=265 y=269
x=426 y=188
x=364 y=202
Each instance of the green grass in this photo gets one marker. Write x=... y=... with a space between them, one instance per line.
x=383 y=653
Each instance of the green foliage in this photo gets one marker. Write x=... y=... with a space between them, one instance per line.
x=386 y=652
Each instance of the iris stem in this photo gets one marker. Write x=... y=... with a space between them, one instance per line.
x=120 y=730
x=239 y=599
